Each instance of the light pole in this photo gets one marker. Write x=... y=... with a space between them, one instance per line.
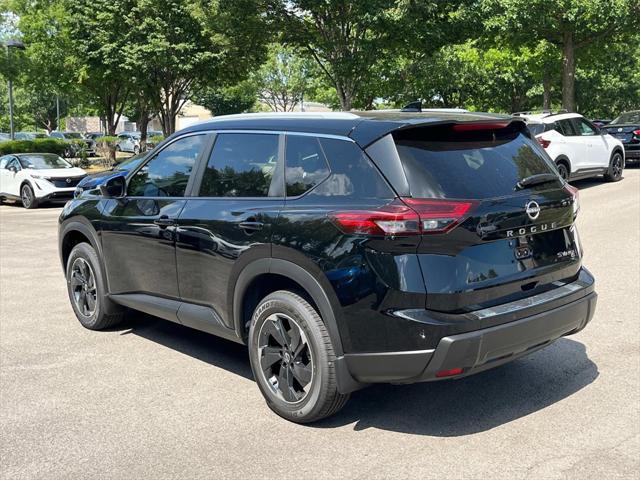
x=19 y=45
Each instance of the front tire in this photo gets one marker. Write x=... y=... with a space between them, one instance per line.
x=87 y=292
x=616 y=167
x=27 y=197
x=293 y=359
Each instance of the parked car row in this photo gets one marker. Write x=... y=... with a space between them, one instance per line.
x=579 y=148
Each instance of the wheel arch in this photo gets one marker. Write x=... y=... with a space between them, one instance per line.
x=563 y=159
x=74 y=231
x=265 y=275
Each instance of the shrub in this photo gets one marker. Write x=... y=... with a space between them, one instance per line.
x=39 y=145
x=153 y=141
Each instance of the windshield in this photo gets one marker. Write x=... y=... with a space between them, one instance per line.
x=629 y=117
x=443 y=163
x=131 y=162
x=72 y=135
x=43 y=161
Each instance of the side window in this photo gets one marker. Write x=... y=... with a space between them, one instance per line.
x=352 y=173
x=306 y=165
x=566 y=128
x=4 y=162
x=167 y=174
x=584 y=127
x=240 y=165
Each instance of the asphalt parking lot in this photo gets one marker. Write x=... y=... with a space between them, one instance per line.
x=156 y=400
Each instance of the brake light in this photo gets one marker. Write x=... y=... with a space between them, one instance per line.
x=636 y=133
x=575 y=196
x=413 y=216
x=449 y=373
x=469 y=127
x=544 y=143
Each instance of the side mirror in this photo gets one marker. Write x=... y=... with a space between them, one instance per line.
x=115 y=187
x=13 y=168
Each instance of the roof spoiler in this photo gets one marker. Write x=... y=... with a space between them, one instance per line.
x=413 y=107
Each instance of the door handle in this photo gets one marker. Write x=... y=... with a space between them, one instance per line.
x=251 y=226
x=164 y=221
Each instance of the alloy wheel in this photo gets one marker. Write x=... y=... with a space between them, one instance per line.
x=564 y=173
x=285 y=357
x=616 y=166
x=26 y=196
x=83 y=287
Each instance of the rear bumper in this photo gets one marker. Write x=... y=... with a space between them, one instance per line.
x=484 y=348
x=632 y=152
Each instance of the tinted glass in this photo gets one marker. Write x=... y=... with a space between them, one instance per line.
x=536 y=128
x=167 y=174
x=628 y=117
x=241 y=165
x=306 y=165
x=566 y=128
x=43 y=161
x=352 y=173
x=584 y=127
x=441 y=163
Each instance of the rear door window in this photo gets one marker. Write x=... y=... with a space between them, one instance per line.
x=306 y=165
x=442 y=163
x=567 y=128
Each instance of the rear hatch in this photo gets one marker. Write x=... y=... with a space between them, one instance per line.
x=624 y=133
x=487 y=235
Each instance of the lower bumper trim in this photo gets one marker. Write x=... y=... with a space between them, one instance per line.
x=474 y=351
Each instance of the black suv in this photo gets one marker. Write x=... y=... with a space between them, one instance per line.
x=343 y=249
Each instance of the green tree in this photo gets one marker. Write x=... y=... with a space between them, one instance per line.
x=570 y=25
x=282 y=80
x=238 y=98
x=345 y=38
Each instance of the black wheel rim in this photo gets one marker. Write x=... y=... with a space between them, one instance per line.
x=616 y=166
x=27 y=196
x=286 y=361
x=563 y=172
x=83 y=287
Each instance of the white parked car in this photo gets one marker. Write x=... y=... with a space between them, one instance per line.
x=35 y=178
x=578 y=147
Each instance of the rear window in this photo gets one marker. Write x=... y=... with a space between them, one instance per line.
x=442 y=163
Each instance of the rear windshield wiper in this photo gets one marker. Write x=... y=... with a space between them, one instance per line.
x=537 y=180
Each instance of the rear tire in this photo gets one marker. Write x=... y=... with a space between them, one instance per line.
x=27 y=197
x=87 y=292
x=563 y=171
x=616 y=167
x=293 y=359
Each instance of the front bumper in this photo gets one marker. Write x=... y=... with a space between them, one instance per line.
x=540 y=320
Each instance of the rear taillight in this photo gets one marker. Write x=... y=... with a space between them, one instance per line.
x=575 y=196
x=543 y=142
x=636 y=133
x=410 y=216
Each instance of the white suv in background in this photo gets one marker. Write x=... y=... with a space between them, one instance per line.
x=34 y=178
x=577 y=146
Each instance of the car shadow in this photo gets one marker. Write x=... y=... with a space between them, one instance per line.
x=205 y=347
x=474 y=404
x=586 y=183
x=441 y=409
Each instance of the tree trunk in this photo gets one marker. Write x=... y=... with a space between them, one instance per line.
x=345 y=98
x=546 y=93
x=143 y=125
x=568 y=72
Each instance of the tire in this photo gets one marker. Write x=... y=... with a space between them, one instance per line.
x=616 y=167
x=293 y=358
x=136 y=150
x=563 y=171
x=84 y=275
x=27 y=197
